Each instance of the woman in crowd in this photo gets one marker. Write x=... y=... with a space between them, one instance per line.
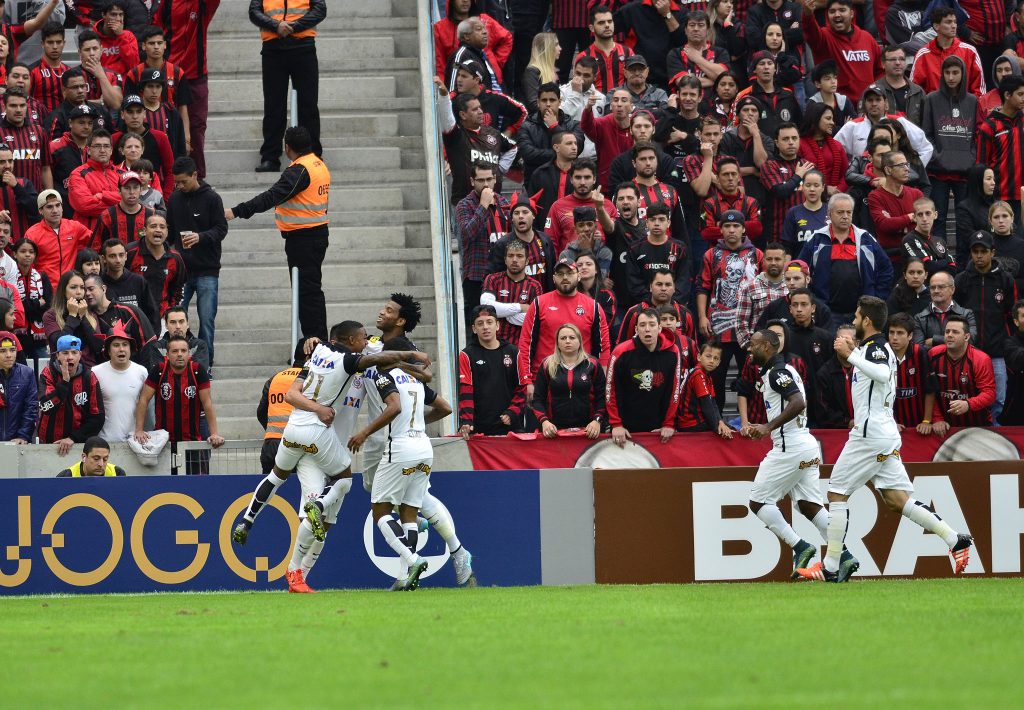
x=36 y=293
x=569 y=389
x=592 y=284
x=901 y=142
x=130 y=148
x=819 y=147
x=972 y=212
x=788 y=73
x=541 y=68
x=1009 y=238
x=910 y=295
x=88 y=262
x=725 y=34
x=720 y=101
x=70 y=316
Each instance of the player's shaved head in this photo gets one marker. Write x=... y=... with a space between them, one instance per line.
x=345 y=329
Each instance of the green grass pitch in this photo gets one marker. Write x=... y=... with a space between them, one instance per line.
x=916 y=644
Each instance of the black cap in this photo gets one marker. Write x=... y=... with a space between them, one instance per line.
x=732 y=217
x=873 y=89
x=471 y=66
x=584 y=214
x=635 y=59
x=80 y=111
x=566 y=263
x=150 y=75
x=132 y=100
x=984 y=238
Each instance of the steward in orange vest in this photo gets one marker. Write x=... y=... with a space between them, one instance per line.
x=272 y=411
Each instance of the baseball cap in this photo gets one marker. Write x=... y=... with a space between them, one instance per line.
x=68 y=342
x=758 y=56
x=798 y=265
x=732 y=217
x=634 y=60
x=9 y=340
x=80 y=111
x=584 y=214
x=45 y=195
x=471 y=66
x=128 y=177
x=567 y=263
x=131 y=100
x=873 y=89
x=984 y=238
x=150 y=75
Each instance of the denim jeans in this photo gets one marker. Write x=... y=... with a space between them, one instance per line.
x=205 y=288
x=999 y=370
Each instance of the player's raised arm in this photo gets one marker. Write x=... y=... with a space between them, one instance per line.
x=873 y=361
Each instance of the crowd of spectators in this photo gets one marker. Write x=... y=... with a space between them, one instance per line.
x=640 y=185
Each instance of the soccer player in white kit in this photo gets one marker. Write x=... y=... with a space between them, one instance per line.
x=309 y=437
x=791 y=467
x=872 y=452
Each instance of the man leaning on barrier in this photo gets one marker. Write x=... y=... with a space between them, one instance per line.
x=95 y=461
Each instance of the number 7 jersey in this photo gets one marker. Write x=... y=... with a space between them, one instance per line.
x=778 y=383
x=326 y=377
x=405 y=438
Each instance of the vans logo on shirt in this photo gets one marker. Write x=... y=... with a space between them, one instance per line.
x=856 y=55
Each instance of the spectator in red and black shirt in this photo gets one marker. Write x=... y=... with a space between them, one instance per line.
x=698 y=410
x=45 y=76
x=671 y=317
x=662 y=289
x=643 y=382
x=19 y=77
x=29 y=143
x=1001 y=141
x=491 y=398
x=966 y=385
x=570 y=388
x=915 y=385
x=103 y=84
x=782 y=178
x=697 y=57
x=160 y=114
x=551 y=181
x=500 y=111
x=510 y=292
x=182 y=390
x=17 y=196
x=161 y=266
x=75 y=89
x=70 y=401
x=657 y=251
x=175 y=87
x=157 y=146
x=467 y=141
x=540 y=254
x=728 y=196
x=125 y=221
x=653 y=191
x=70 y=151
x=610 y=55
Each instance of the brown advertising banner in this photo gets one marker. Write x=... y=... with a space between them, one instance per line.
x=693 y=525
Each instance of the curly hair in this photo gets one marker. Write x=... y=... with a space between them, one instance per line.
x=409 y=309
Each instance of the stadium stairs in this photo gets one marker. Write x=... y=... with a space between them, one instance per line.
x=371 y=128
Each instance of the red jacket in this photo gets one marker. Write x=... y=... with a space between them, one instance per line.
x=92 y=188
x=609 y=139
x=57 y=254
x=889 y=213
x=830 y=158
x=857 y=55
x=120 y=52
x=446 y=41
x=927 y=72
x=560 y=227
x=546 y=314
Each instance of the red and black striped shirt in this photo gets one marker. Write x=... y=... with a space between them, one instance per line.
x=697 y=386
x=569 y=14
x=46 y=87
x=20 y=209
x=970 y=379
x=35 y=115
x=628 y=329
x=505 y=290
x=185 y=23
x=115 y=223
x=913 y=381
x=176 y=91
x=611 y=67
x=1001 y=147
x=31 y=150
x=69 y=409
x=164 y=276
x=95 y=91
x=177 y=399
x=783 y=185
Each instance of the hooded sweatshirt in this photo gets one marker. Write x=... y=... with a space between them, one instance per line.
x=120 y=52
x=972 y=211
x=950 y=117
x=992 y=100
x=202 y=212
x=928 y=63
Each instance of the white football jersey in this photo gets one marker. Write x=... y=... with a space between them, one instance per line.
x=873 y=399
x=326 y=378
x=405 y=438
x=778 y=383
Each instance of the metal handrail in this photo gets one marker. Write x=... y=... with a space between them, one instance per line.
x=445 y=284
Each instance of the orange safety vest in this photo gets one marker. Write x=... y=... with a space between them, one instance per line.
x=309 y=207
x=286 y=11
x=277 y=409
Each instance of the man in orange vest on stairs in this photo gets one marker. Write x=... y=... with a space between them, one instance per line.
x=299 y=198
x=288 y=31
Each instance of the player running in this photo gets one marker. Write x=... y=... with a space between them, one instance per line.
x=310 y=444
x=791 y=467
x=872 y=452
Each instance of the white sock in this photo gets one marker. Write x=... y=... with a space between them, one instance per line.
x=838 y=519
x=771 y=516
x=331 y=500
x=918 y=513
x=303 y=541
x=820 y=521
x=312 y=556
x=441 y=520
x=263 y=493
x=391 y=529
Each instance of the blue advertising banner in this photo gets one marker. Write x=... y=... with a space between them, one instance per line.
x=102 y=535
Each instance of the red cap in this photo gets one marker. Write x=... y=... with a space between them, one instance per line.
x=128 y=177
x=5 y=336
x=798 y=265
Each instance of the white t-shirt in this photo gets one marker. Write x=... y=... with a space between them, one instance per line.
x=121 y=390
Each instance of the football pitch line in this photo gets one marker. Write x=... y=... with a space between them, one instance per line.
x=939 y=643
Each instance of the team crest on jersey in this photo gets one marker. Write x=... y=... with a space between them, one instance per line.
x=507 y=360
x=524 y=296
x=912 y=371
x=165 y=391
x=963 y=379
x=817 y=348
x=491 y=140
x=999 y=296
x=81 y=399
x=784 y=114
x=583 y=378
x=579 y=310
x=190 y=391
x=664 y=194
x=33 y=138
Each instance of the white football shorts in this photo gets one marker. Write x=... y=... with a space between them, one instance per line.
x=792 y=473
x=401 y=482
x=874 y=460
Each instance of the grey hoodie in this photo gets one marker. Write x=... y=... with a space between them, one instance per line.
x=949 y=121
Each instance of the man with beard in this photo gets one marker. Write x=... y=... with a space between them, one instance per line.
x=641 y=127
x=755 y=294
x=782 y=177
x=610 y=55
x=653 y=191
x=560 y=222
x=161 y=266
x=620 y=236
x=697 y=57
x=75 y=88
x=662 y=290
x=176 y=323
x=551 y=181
x=482 y=215
x=729 y=196
x=510 y=292
x=540 y=254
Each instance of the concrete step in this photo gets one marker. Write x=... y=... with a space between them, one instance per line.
x=235 y=161
x=367 y=254
x=341 y=274
x=337 y=69
x=240 y=428
x=237 y=12
x=354 y=218
x=339 y=87
x=231 y=54
x=237 y=391
x=370 y=198
x=252 y=106
x=280 y=292
x=235 y=141
x=332 y=125
x=269 y=240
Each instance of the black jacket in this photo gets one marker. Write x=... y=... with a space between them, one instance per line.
x=1013 y=410
x=814 y=346
x=779 y=310
x=548 y=180
x=901 y=300
x=622 y=169
x=931 y=251
x=132 y=290
x=833 y=408
x=991 y=297
x=572 y=398
x=971 y=212
x=534 y=139
x=653 y=40
x=759 y=16
x=201 y=211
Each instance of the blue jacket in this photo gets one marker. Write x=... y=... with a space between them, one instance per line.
x=876 y=270
x=19 y=403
